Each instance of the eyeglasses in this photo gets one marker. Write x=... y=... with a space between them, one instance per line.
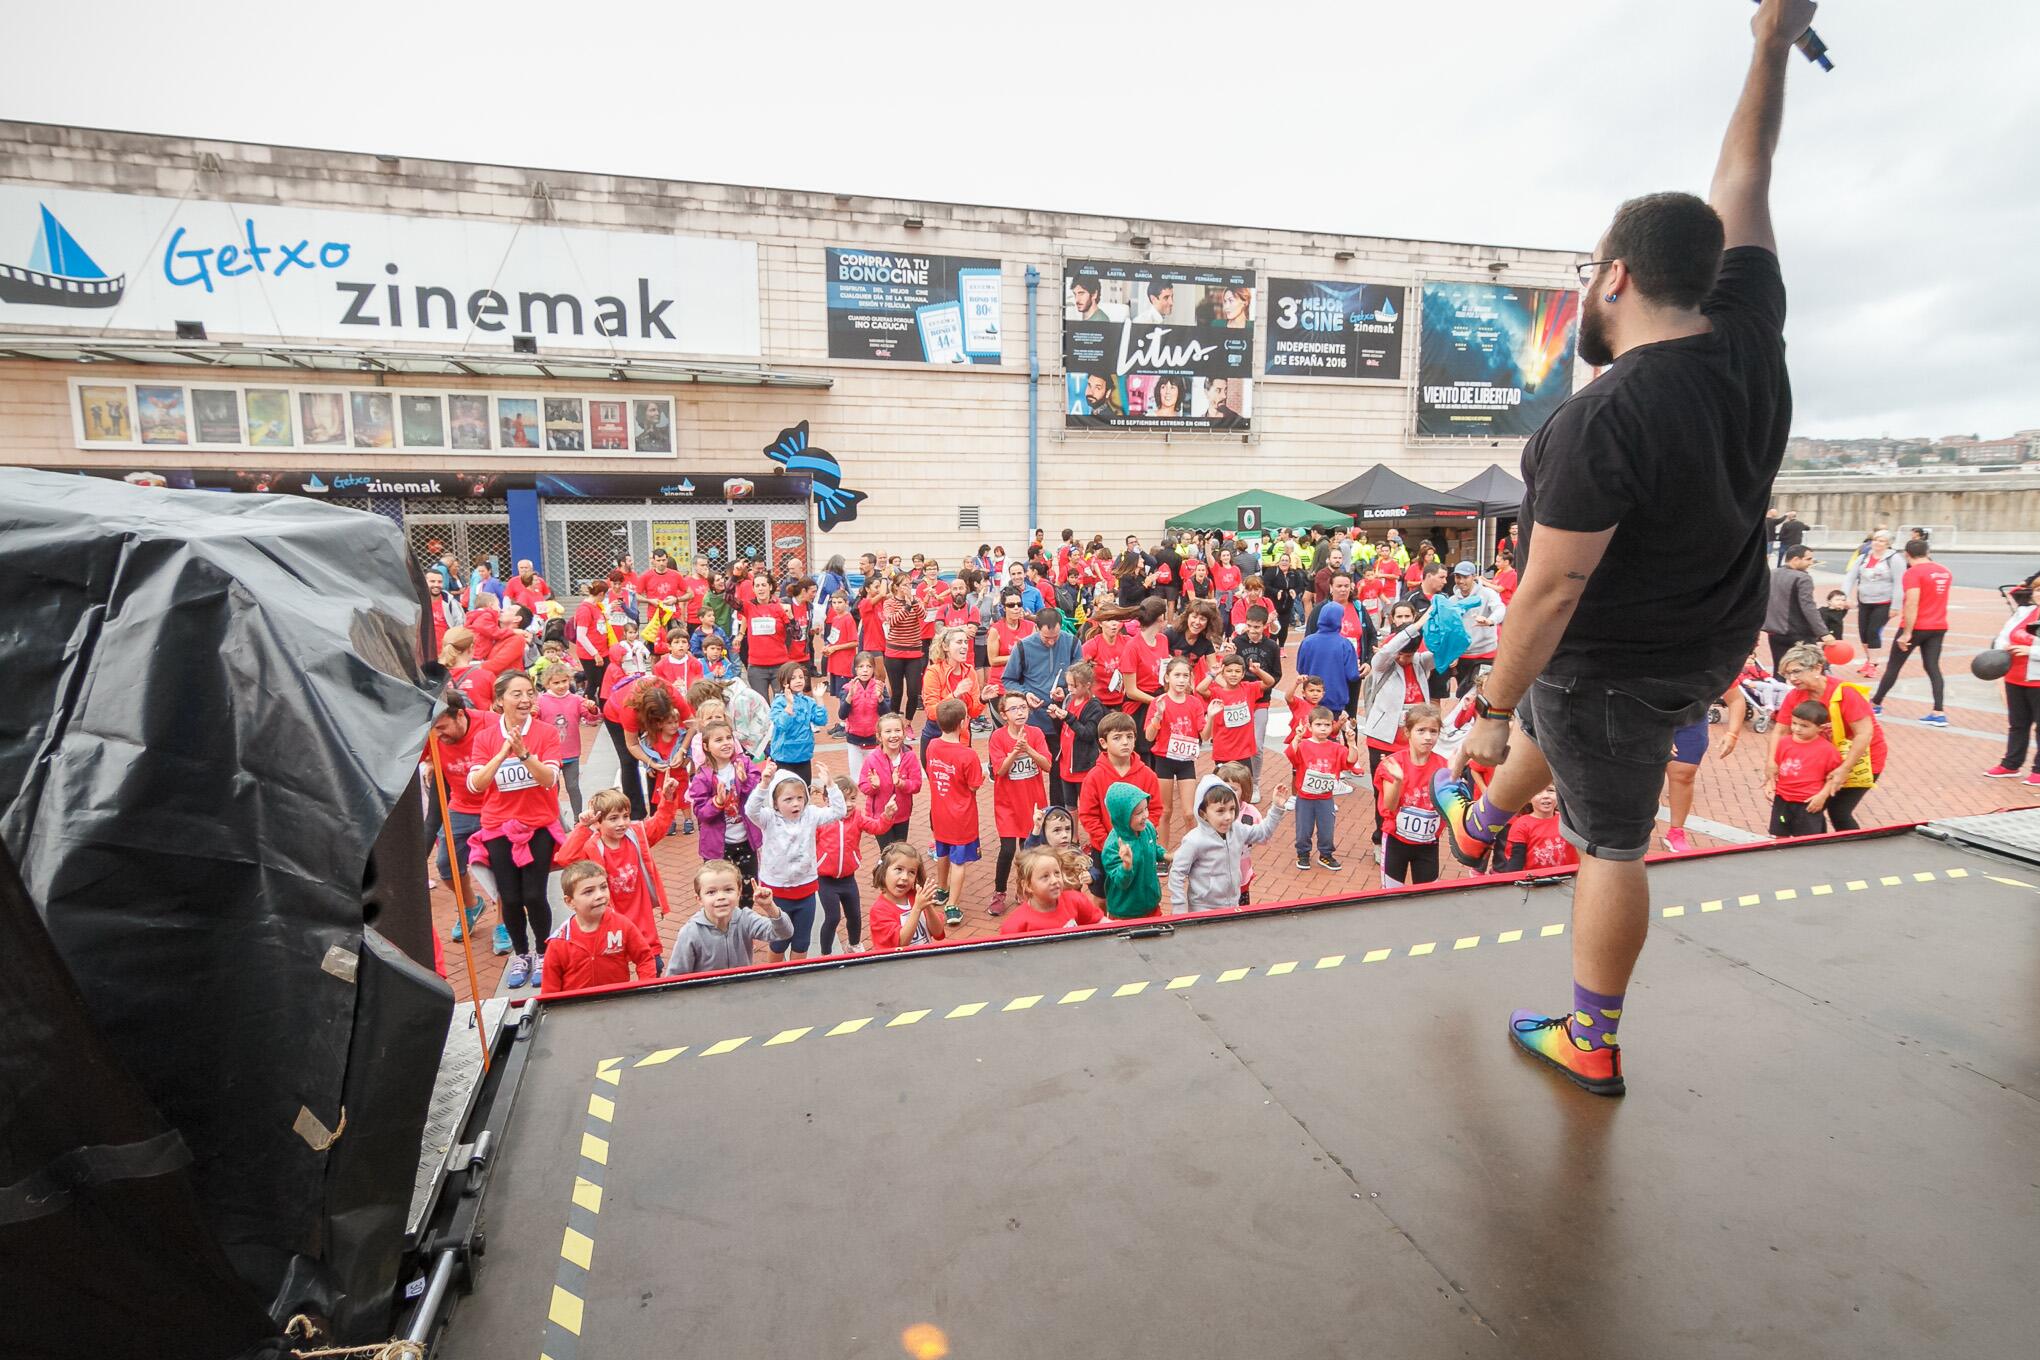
x=1588 y=270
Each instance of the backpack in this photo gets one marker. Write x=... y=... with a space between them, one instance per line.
x=1066 y=598
x=1862 y=777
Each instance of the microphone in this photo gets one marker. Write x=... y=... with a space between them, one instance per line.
x=1809 y=42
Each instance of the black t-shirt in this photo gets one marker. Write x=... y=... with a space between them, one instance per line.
x=1170 y=558
x=1791 y=533
x=1674 y=447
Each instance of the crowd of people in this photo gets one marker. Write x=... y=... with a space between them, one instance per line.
x=1123 y=698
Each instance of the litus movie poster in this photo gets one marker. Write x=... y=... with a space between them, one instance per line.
x=1319 y=328
x=1157 y=346
x=1496 y=361
x=914 y=309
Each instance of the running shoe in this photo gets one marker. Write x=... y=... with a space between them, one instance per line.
x=1454 y=797
x=952 y=915
x=1878 y=709
x=520 y=972
x=1303 y=861
x=499 y=943
x=1868 y=670
x=1676 y=841
x=1341 y=786
x=1935 y=720
x=1549 y=1038
x=1329 y=862
x=2000 y=772
x=997 y=907
x=687 y=827
x=2033 y=780
x=838 y=730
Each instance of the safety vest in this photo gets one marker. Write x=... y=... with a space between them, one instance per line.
x=1862 y=776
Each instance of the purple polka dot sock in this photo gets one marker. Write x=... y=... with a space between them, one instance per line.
x=1594 y=1018
x=1486 y=820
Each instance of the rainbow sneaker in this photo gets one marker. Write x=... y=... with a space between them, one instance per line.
x=1549 y=1037
x=1455 y=797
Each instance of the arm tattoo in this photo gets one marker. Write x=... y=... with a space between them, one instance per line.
x=1575 y=576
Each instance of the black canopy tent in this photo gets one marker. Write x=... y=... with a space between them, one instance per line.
x=1381 y=494
x=1498 y=494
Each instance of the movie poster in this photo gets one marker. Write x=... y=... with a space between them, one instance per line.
x=1320 y=328
x=161 y=415
x=217 y=414
x=909 y=308
x=652 y=423
x=104 y=414
x=517 y=423
x=269 y=418
x=420 y=421
x=324 y=417
x=375 y=422
x=564 y=432
x=1496 y=360
x=468 y=420
x=1157 y=347
x=609 y=426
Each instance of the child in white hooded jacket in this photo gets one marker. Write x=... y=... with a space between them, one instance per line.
x=787 y=812
x=1204 y=875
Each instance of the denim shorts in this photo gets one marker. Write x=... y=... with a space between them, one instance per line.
x=1607 y=742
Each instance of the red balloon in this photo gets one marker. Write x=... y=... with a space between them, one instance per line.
x=1839 y=653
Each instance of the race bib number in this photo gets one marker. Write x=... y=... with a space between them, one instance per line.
x=1023 y=768
x=1238 y=715
x=1418 y=826
x=1318 y=782
x=1182 y=747
x=512 y=777
x=1116 y=683
x=764 y=626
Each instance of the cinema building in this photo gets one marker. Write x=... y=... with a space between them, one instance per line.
x=564 y=366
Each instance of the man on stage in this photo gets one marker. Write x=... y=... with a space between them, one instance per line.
x=1643 y=561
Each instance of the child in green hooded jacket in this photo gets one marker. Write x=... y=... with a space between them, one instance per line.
x=1130 y=855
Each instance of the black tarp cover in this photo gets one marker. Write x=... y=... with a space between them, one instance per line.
x=1383 y=493
x=213 y=702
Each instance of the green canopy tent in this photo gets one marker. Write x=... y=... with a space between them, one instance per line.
x=1277 y=512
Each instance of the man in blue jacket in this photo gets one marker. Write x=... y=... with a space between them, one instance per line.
x=1036 y=668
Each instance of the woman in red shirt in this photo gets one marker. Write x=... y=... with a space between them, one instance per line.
x=1101 y=649
x=1142 y=654
x=1225 y=579
x=2022 y=691
x=906 y=655
x=948 y=674
x=517 y=770
x=1853 y=727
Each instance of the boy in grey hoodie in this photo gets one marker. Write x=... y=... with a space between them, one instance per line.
x=1205 y=874
x=787 y=820
x=720 y=934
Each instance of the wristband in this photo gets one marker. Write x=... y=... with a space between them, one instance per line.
x=1483 y=709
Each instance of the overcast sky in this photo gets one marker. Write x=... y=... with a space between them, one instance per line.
x=1907 y=195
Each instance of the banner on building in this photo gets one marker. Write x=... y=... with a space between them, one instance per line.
x=97 y=261
x=1158 y=346
x=1496 y=360
x=916 y=309
x=708 y=488
x=1322 y=328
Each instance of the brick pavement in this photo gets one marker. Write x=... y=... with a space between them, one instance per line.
x=1930 y=773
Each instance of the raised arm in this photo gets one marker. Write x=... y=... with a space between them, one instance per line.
x=1741 y=191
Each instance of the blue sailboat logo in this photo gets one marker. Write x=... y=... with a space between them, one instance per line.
x=59 y=273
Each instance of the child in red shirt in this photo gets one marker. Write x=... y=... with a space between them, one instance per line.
x=1117 y=764
x=1304 y=700
x=890 y=778
x=1409 y=819
x=1535 y=841
x=838 y=647
x=1806 y=770
x=1175 y=722
x=1230 y=723
x=1020 y=763
x=904 y=911
x=1076 y=721
x=955 y=774
x=679 y=667
x=1046 y=902
x=1317 y=757
x=1103 y=652
x=606 y=835
x=839 y=854
x=594 y=946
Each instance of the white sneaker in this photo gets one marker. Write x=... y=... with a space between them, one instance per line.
x=1342 y=787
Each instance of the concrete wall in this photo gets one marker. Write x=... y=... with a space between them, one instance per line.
x=1964 y=510
x=921 y=441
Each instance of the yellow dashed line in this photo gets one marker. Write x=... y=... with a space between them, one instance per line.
x=1072 y=997
x=608 y=1064
x=1957 y=873
x=966 y=1010
x=726 y=1046
x=1508 y=937
x=1856 y=885
x=587 y=1194
x=1555 y=928
x=1375 y=955
x=1417 y=951
x=906 y=1018
x=1713 y=906
x=849 y=1027
x=1279 y=969
x=1786 y=894
x=603 y=1108
x=1234 y=974
x=1673 y=911
x=595 y=1149
x=1746 y=900
x=664 y=1055
x=1891 y=880
x=614 y=1078
x=1021 y=1003
x=1331 y=961
x=1823 y=889
x=1131 y=989
x=787 y=1036
x=1927 y=877
x=1466 y=942
x=578 y=1248
x=1177 y=984
x=565 y=1310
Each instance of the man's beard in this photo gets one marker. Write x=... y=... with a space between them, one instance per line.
x=1594 y=346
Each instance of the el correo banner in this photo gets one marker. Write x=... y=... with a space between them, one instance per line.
x=123 y=262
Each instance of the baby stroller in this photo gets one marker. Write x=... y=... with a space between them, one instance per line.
x=1761 y=690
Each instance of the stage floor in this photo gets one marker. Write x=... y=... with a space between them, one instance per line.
x=1309 y=1135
